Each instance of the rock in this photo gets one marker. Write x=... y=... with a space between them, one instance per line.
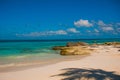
x=67 y=51
x=82 y=48
x=82 y=44
x=74 y=48
x=75 y=51
x=58 y=47
x=70 y=44
x=112 y=43
x=82 y=52
x=108 y=43
x=116 y=43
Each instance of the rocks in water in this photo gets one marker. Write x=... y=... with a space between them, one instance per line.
x=69 y=44
x=112 y=43
x=58 y=47
x=75 y=51
x=73 y=48
x=115 y=44
x=107 y=43
x=67 y=51
x=82 y=48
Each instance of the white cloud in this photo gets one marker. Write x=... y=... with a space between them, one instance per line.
x=47 y=33
x=107 y=28
x=96 y=30
x=59 y=32
x=82 y=22
x=73 y=30
x=101 y=23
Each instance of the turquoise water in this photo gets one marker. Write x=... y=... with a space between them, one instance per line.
x=22 y=48
x=28 y=51
x=34 y=50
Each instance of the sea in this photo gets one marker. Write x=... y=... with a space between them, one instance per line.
x=16 y=51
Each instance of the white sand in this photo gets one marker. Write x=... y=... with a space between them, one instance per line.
x=105 y=58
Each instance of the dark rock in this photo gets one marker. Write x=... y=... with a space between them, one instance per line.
x=112 y=43
x=65 y=52
x=58 y=47
x=70 y=44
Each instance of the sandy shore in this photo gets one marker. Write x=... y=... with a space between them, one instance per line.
x=103 y=64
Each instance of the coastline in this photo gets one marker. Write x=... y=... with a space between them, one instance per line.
x=33 y=64
x=104 y=62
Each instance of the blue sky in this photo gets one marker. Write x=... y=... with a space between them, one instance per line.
x=59 y=19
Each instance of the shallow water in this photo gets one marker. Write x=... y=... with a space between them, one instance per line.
x=22 y=51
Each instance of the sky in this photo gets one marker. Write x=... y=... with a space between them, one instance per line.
x=59 y=19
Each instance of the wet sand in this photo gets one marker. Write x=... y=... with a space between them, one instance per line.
x=38 y=63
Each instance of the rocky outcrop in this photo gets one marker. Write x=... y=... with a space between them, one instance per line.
x=115 y=44
x=66 y=51
x=70 y=44
x=81 y=48
x=58 y=47
x=75 y=51
x=112 y=43
x=73 y=48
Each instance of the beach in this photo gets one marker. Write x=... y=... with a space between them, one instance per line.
x=102 y=64
x=59 y=39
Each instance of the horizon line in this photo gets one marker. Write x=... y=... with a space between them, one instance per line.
x=16 y=40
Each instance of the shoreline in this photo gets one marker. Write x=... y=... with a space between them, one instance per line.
x=102 y=64
x=34 y=64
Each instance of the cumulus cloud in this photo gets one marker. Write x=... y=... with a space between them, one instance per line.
x=59 y=32
x=101 y=23
x=82 y=22
x=73 y=30
x=47 y=33
x=105 y=27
